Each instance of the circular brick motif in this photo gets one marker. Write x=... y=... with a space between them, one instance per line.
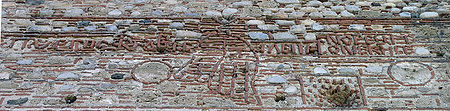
x=410 y=73
x=151 y=72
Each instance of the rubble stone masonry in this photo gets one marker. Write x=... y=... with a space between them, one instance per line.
x=225 y=55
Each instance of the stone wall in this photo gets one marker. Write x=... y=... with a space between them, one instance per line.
x=224 y=54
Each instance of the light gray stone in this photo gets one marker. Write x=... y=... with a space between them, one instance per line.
x=405 y=15
x=5 y=75
x=67 y=76
x=317 y=27
x=330 y=14
x=115 y=12
x=337 y=8
x=213 y=14
x=152 y=72
x=66 y=87
x=276 y=79
x=345 y=13
x=40 y=28
x=268 y=27
x=291 y=90
x=258 y=36
x=152 y=28
x=25 y=62
x=8 y=85
x=287 y=1
x=429 y=15
x=398 y=28
x=76 y=12
x=46 y=12
x=179 y=9
x=315 y=15
x=176 y=25
x=135 y=13
x=314 y=3
x=374 y=69
x=228 y=12
x=23 y=22
x=284 y=22
x=348 y=71
x=310 y=36
x=411 y=73
x=242 y=4
x=410 y=9
x=284 y=36
x=111 y=28
x=187 y=34
x=88 y=63
x=69 y=29
x=356 y=27
x=255 y=22
x=90 y=28
x=297 y=29
x=352 y=8
x=395 y=10
x=421 y=51
x=319 y=70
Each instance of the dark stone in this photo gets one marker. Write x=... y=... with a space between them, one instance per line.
x=117 y=76
x=83 y=23
x=34 y=2
x=375 y=4
x=70 y=99
x=145 y=21
x=17 y=101
x=415 y=15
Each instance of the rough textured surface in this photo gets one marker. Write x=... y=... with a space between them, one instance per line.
x=225 y=55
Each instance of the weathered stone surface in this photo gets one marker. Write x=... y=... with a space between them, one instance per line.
x=76 y=12
x=115 y=12
x=356 y=27
x=17 y=101
x=268 y=27
x=187 y=34
x=284 y=22
x=310 y=36
x=258 y=35
x=429 y=15
x=176 y=25
x=411 y=73
x=298 y=29
x=34 y=2
x=374 y=69
x=228 y=12
x=111 y=28
x=213 y=14
x=69 y=29
x=284 y=36
x=255 y=22
x=348 y=71
x=291 y=90
x=320 y=70
x=117 y=76
x=421 y=51
x=67 y=76
x=317 y=26
x=287 y=1
x=5 y=75
x=25 y=62
x=151 y=72
x=40 y=28
x=276 y=80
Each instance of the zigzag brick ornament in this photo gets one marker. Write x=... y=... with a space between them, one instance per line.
x=224 y=55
